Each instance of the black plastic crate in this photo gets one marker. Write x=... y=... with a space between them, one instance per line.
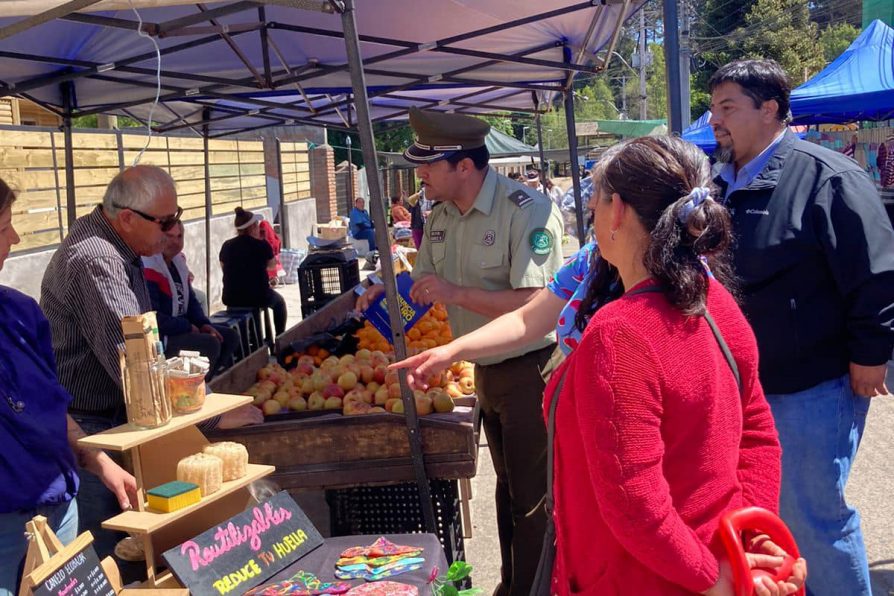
x=319 y=283
x=395 y=509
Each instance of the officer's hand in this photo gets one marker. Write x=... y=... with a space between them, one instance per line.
x=370 y=296
x=868 y=381
x=431 y=288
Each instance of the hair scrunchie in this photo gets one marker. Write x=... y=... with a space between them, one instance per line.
x=696 y=196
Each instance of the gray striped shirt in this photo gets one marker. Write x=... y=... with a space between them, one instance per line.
x=92 y=281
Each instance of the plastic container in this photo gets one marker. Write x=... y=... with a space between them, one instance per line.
x=186 y=391
x=185 y=382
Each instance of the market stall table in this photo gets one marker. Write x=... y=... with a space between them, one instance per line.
x=321 y=561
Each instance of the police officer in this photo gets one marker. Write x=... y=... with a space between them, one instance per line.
x=489 y=245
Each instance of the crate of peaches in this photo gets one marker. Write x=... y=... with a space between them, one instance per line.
x=351 y=384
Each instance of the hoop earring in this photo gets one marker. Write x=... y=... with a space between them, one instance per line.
x=613 y=235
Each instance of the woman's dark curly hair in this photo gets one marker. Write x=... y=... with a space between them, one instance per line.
x=655 y=175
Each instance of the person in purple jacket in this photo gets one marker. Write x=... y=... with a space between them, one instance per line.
x=39 y=454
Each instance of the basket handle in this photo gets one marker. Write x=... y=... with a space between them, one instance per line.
x=757 y=519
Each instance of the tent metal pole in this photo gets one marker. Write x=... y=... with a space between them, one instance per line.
x=265 y=48
x=543 y=167
x=572 y=150
x=672 y=68
x=208 y=208
x=44 y=17
x=71 y=204
x=377 y=209
x=203 y=16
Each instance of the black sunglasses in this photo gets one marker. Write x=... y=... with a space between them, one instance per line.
x=165 y=223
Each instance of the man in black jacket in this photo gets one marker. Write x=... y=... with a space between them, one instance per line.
x=815 y=255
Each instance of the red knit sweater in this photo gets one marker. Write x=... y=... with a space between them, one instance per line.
x=654 y=442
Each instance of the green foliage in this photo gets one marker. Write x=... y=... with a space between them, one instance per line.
x=444 y=585
x=500 y=123
x=394 y=139
x=782 y=30
x=835 y=39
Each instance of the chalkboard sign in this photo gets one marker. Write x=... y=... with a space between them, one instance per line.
x=81 y=575
x=246 y=550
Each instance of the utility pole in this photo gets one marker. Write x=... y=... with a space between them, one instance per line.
x=643 y=105
x=685 y=55
x=624 y=96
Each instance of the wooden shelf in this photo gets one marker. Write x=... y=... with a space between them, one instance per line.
x=127 y=436
x=146 y=522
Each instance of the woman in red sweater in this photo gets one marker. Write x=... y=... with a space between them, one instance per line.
x=654 y=440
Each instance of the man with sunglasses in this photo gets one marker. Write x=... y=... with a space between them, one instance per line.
x=93 y=280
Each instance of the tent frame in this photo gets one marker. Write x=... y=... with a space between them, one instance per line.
x=270 y=79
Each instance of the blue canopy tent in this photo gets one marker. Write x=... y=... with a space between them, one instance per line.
x=699 y=133
x=858 y=85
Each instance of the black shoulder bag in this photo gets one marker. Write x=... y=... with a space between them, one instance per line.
x=543 y=578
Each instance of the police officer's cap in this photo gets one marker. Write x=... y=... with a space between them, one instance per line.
x=439 y=135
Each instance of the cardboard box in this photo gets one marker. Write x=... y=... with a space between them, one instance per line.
x=334 y=230
x=410 y=312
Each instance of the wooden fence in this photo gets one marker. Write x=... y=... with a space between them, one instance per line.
x=293 y=158
x=33 y=163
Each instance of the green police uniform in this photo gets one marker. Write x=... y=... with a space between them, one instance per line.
x=509 y=239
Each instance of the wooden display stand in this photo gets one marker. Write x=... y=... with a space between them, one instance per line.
x=155 y=453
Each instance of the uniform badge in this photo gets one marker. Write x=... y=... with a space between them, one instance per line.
x=521 y=198
x=437 y=235
x=490 y=237
x=541 y=241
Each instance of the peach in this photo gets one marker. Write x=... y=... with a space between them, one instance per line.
x=442 y=402
x=298 y=404
x=391 y=377
x=346 y=359
x=282 y=397
x=353 y=408
x=379 y=374
x=389 y=405
x=333 y=390
x=316 y=401
x=453 y=390
x=332 y=403
x=394 y=390
x=398 y=407
x=376 y=410
x=367 y=374
x=372 y=387
x=320 y=380
x=271 y=406
x=423 y=405
x=467 y=385
x=382 y=395
x=363 y=354
x=347 y=381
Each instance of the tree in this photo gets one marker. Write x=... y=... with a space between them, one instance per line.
x=782 y=30
x=826 y=13
x=835 y=39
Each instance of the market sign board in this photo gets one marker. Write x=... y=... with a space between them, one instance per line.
x=80 y=575
x=246 y=550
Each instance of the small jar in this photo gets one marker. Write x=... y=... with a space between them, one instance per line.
x=144 y=394
x=186 y=392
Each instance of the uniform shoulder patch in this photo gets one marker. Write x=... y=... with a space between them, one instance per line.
x=521 y=198
x=541 y=241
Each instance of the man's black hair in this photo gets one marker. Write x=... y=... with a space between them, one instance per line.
x=480 y=157
x=761 y=80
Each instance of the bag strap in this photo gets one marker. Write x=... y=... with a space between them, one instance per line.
x=551 y=417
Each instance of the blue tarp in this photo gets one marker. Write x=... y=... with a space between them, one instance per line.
x=858 y=85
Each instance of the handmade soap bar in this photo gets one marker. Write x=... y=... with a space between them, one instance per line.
x=234 y=457
x=202 y=469
x=173 y=495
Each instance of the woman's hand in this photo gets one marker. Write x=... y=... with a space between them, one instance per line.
x=421 y=366
x=764 y=554
x=242 y=416
x=115 y=478
x=371 y=294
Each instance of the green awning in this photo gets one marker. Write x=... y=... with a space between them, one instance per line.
x=623 y=128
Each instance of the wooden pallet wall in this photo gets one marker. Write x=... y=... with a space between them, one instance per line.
x=295 y=170
x=33 y=163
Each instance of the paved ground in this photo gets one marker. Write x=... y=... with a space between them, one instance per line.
x=869 y=490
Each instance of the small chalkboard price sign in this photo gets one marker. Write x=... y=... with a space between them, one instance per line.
x=55 y=570
x=246 y=550
x=81 y=575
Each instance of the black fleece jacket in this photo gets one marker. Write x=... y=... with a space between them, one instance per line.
x=815 y=257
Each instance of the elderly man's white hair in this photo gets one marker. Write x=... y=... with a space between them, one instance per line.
x=136 y=188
